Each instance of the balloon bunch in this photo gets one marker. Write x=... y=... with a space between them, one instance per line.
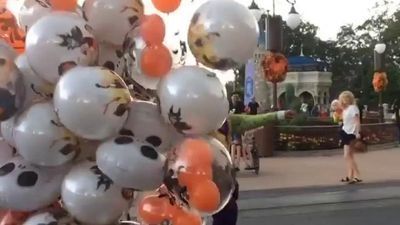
x=72 y=132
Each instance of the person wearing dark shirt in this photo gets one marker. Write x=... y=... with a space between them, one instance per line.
x=253 y=107
x=229 y=214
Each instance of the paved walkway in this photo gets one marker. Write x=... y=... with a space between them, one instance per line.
x=320 y=169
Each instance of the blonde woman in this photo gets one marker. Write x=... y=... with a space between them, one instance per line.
x=350 y=131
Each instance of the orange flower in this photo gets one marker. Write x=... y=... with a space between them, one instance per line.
x=275 y=67
x=380 y=81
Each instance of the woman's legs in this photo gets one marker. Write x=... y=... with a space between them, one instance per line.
x=356 y=172
x=235 y=159
x=349 y=161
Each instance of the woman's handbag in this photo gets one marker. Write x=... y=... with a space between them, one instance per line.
x=359 y=145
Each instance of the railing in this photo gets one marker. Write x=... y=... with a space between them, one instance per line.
x=302 y=138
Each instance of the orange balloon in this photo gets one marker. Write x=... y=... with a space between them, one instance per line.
x=204 y=196
x=194 y=174
x=156 y=60
x=64 y=5
x=9 y=30
x=166 y=6
x=14 y=218
x=187 y=218
x=196 y=152
x=154 y=210
x=152 y=29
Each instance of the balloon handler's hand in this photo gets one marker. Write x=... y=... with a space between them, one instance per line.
x=290 y=114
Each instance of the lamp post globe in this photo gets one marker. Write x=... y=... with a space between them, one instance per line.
x=294 y=19
x=380 y=48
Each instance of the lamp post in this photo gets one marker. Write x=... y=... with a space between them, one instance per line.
x=380 y=79
x=274 y=40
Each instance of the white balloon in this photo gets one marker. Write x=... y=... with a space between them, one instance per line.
x=31 y=11
x=25 y=187
x=92 y=102
x=58 y=216
x=112 y=57
x=112 y=20
x=7 y=130
x=223 y=34
x=92 y=197
x=193 y=100
x=65 y=40
x=6 y=152
x=41 y=139
x=146 y=124
x=36 y=88
x=129 y=163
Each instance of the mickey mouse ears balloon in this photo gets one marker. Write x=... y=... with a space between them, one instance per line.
x=65 y=40
x=223 y=34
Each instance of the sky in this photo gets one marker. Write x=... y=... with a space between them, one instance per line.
x=328 y=15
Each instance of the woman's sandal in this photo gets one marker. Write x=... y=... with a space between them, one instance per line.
x=346 y=179
x=355 y=180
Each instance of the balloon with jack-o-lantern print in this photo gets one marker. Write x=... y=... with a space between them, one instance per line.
x=92 y=102
x=223 y=34
x=65 y=40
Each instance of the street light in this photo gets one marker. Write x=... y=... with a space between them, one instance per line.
x=294 y=19
x=380 y=48
x=255 y=10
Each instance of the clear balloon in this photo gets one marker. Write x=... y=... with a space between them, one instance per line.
x=193 y=100
x=128 y=162
x=112 y=58
x=36 y=88
x=6 y=152
x=112 y=20
x=65 y=40
x=42 y=140
x=223 y=34
x=220 y=187
x=24 y=187
x=12 y=91
x=31 y=11
x=92 y=197
x=146 y=124
x=92 y=102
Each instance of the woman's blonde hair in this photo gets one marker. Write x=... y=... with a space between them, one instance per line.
x=347 y=98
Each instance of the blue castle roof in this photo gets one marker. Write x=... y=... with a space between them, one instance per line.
x=305 y=63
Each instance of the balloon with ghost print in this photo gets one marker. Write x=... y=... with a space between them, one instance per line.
x=223 y=34
x=42 y=140
x=25 y=187
x=193 y=100
x=6 y=152
x=92 y=197
x=36 y=88
x=65 y=40
x=146 y=124
x=92 y=102
x=128 y=162
x=112 y=20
